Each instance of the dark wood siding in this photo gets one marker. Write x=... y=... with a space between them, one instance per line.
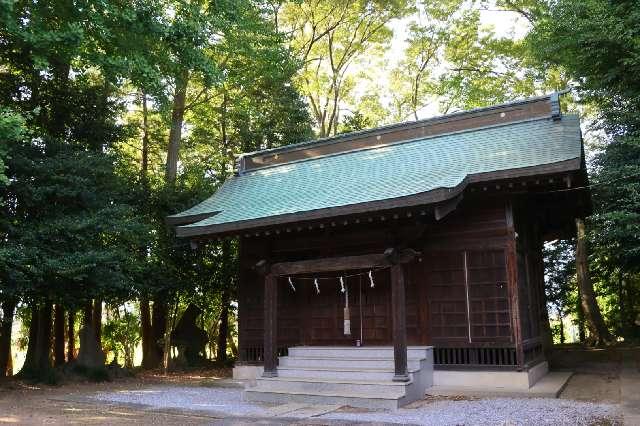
x=458 y=295
x=488 y=296
x=447 y=297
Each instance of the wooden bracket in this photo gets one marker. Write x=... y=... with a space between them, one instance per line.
x=262 y=267
x=447 y=207
x=396 y=256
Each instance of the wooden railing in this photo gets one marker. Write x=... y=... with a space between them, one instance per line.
x=481 y=356
x=533 y=350
x=255 y=354
x=443 y=357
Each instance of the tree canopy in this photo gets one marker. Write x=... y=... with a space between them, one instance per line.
x=115 y=114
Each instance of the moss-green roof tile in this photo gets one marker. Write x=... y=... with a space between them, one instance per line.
x=381 y=173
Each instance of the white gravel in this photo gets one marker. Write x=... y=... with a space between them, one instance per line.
x=498 y=411
x=220 y=400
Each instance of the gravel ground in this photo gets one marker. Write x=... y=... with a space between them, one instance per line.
x=219 y=400
x=499 y=411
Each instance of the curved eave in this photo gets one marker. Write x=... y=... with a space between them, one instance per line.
x=188 y=218
x=434 y=196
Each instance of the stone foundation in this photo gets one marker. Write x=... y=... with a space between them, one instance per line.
x=492 y=380
x=247 y=372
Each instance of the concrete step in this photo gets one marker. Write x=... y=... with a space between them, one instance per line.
x=368 y=352
x=346 y=385
x=361 y=400
x=359 y=377
x=342 y=362
x=336 y=373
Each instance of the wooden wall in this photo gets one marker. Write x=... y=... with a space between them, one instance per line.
x=463 y=295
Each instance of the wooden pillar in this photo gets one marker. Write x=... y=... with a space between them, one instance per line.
x=511 y=252
x=399 y=316
x=270 y=325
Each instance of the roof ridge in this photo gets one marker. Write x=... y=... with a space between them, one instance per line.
x=393 y=126
x=402 y=142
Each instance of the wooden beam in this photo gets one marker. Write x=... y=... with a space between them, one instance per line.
x=330 y=264
x=399 y=318
x=270 y=326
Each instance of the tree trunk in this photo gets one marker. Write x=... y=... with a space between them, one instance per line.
x=8 y=309
x=97 y=320
x=58 y=326
x=71 y=336
x=9 y=366
x=60 y=112
x=622 y=307
x=224 y=329
x=158 y=328
x=177 y=119
x=582 y=334
x=87 y=313
x=221 y=353
x=43 y=338
x=144 y=166
x=561 y=327
x=148 y=353
x=232 y=345
x=30 y=357
x=597 y=328
x=166 y=353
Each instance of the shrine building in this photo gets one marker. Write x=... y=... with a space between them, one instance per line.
x=376 y=264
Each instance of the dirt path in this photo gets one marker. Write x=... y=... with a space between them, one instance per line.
x=22 y=403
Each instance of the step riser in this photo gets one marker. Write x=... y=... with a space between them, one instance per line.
x=347 y=376
x=350 y=352
x=373 y=376
x=372 y=403
x=311 y=387
x=356 y=364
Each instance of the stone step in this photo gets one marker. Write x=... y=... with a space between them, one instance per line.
x=368 y=352
x=359 y=377
x=333 y=373
x=344 y=385
x=342 y=362
x=353 y=399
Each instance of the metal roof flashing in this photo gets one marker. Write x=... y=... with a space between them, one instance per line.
x=247 y=162
x=396 y=143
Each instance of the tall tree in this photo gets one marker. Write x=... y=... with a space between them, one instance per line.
x=68 y=229
x=328 y=37
x=595 y=41
x=414 y=80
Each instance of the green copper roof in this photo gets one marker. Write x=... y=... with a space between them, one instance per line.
x=438 y=163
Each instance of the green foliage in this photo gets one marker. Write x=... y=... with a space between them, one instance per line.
x=596 y=43
x=454 y=60
x=560 y=283
x=83 y=216
x=329 y=37
x=354 y=122
x=121 y=334
x=12 y=130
